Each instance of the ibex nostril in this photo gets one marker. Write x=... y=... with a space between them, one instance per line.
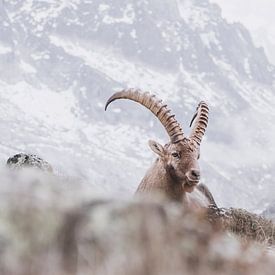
x=195 y=173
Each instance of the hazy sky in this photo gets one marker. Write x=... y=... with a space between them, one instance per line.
x=258 y=16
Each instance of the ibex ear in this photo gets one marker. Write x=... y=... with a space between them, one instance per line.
x=157 y=148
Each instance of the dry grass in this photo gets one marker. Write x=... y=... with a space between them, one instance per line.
x=247 y=225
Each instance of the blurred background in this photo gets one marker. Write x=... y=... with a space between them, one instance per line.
x=61 y=60
x=257 y=17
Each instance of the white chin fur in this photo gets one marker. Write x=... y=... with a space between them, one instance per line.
x=197 y=198
x=189 y=189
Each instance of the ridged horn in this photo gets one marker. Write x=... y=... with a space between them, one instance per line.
x=201 y=121
x=156 y=106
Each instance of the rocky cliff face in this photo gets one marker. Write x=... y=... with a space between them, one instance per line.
x=61 y=60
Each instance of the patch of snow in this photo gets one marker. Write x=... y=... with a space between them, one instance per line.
x=196 y=17
x=103 y=7
x=5 y=49
x=210 y=38
x=133 y=34
x=128 y=16
x=27 y=68
x=247 y=67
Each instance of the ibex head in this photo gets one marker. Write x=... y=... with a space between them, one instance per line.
x=180 y=156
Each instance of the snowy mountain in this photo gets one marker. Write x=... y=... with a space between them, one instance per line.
x=61 y=60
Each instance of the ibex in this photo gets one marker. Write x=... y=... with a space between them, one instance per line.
x=176 y=172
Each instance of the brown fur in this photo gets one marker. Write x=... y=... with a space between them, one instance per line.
x=172 y=176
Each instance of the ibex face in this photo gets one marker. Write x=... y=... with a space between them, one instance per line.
x=180 y=161
x=176 y=171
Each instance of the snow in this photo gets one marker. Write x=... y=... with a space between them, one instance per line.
x=50 y=108
x=103 y=8
x=4 y=49
x=247 y=67
x=133 y=34
x=198 y=18
x=113 y=65
x=209 y=39
x=128 y=16
x=27 y=67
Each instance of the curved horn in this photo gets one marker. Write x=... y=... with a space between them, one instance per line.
x=156 y=106
x=201 y=121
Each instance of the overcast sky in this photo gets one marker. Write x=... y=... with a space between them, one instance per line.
x=258 y=16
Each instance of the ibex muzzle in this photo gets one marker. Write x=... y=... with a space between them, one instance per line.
x=176 y=171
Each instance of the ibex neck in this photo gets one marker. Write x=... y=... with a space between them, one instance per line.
x=158 y=180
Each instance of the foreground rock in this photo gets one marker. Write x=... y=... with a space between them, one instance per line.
x=50 y=226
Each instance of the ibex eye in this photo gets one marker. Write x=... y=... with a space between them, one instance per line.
x=176 y=155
